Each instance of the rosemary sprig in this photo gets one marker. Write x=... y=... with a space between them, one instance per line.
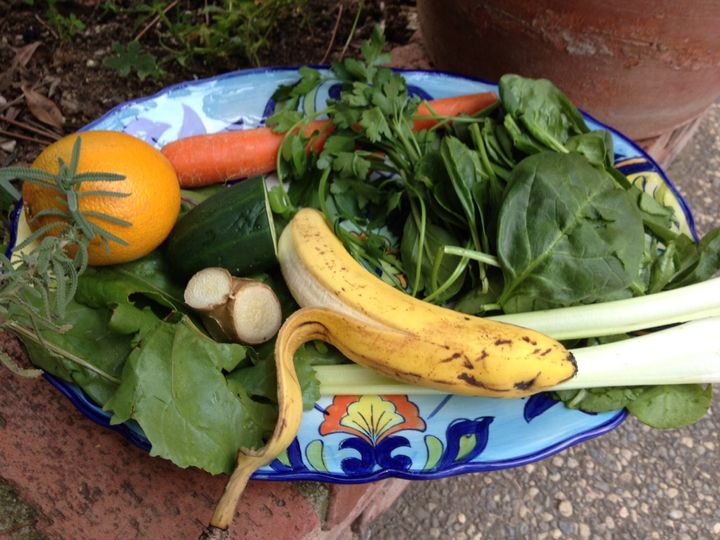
x=39 y=281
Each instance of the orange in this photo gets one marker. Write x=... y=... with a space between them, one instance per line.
x=151 y=207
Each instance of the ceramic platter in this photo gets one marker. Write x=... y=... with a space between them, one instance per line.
x=364 y=438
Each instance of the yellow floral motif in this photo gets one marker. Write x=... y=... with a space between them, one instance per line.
x=372 y=416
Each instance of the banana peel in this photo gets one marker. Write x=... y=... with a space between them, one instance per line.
x=381 y=328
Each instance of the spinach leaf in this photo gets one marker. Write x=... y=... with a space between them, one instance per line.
x=703 y=263
x=657 y=218
x=662 y=406
x=672 y=406
x=525 y=143
x=498 y=143
x=467 y=178
x=566 y=235
x=599 y=400
x=441 y=197
x=479 y=300
x=596 y=146
x=539 y=106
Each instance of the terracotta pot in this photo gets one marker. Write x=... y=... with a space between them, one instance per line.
x=644 y=67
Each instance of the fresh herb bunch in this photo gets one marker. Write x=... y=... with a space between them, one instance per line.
x=38 y=283
x=517 y=209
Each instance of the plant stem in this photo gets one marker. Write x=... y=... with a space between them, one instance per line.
x=683 y=304
x=472 y=254
x=29 y=334
x=682 y=354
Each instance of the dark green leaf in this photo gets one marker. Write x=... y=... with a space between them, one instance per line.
x=351 y=165
x=435 y=239
x=599 y=400
x=128 y=59
x=463 y=168
x=90 y=338
x=567 y=235
x=100 y=287
x=477 y=300
x=356 y=69
x=672 y=406
x=344 y=116
x=596 y=146
x=174 y=388
x=284 y=120
x=704 y=262
x=310 y=79
x=522 y=140
x=542 y=109
x=372 y=49
x=260 y=380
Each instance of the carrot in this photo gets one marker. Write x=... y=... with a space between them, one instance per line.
x=203 y=160
x=452 y=106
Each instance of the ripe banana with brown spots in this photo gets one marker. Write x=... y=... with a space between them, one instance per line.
x=405 y=338
x=382 y=328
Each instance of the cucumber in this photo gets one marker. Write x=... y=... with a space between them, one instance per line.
x=231 y=229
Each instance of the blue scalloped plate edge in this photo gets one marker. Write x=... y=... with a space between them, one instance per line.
x=78 y=398
x=472 y=467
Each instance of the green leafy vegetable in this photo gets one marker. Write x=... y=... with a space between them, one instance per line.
x=566 y=235
x=436 y=268
x=88 y=337
x=671 y=406
x=542 y=109
x=519 y=209
x=663 y=406
x=173 y=386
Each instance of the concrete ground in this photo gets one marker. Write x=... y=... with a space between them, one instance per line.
x=633 y=483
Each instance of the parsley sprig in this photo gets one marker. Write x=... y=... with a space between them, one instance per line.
x=370 y=167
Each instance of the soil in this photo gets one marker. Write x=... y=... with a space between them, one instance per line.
x=38 y=63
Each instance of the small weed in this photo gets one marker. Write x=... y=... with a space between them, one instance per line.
x=66 y=26
x=212 y=32
x=217 y=31
x=129 y=59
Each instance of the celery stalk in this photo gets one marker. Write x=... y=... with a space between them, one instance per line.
x=685 y=353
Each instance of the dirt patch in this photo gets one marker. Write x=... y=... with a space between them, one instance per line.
x=39 y=63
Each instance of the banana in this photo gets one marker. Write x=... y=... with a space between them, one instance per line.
x=405 y=338
x=384 y=329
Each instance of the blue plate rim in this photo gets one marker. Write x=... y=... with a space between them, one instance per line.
x=91 y=410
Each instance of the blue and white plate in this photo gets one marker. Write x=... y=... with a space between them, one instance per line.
x=349 y=439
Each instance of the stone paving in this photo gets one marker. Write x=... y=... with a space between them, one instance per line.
x=633 y=483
